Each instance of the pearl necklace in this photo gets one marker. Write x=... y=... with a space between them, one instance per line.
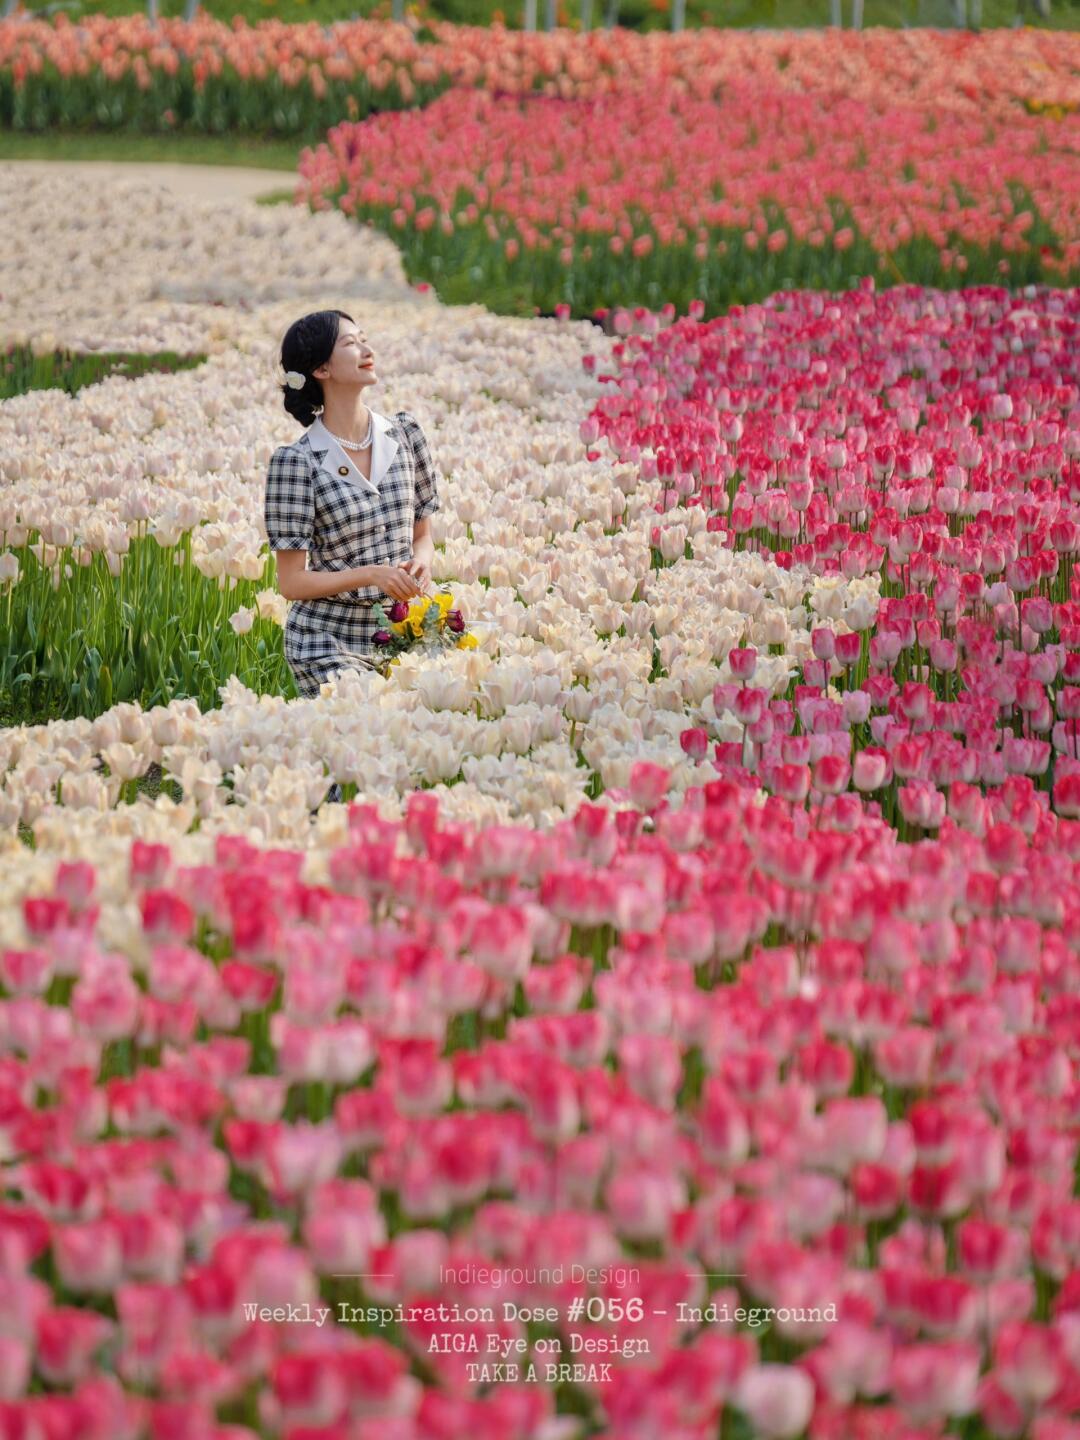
x=353 y=444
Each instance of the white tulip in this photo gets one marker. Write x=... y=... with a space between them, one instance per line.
x=440 y=691
x=673 y=541
x=242 y=620
x=517 y=733
x=272 y=605
x=165 y=727
x=124 y=762
x=440 y=761
x=664 y=619
x=579 y=704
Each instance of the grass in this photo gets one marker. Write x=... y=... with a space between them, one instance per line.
x=21 y=370
x=154 y=149
x=637 y=14
x=31 y=704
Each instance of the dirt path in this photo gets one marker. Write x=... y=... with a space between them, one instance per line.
x=197 y=182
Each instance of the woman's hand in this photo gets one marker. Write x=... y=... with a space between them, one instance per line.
x=395 y=581
x=420 y=569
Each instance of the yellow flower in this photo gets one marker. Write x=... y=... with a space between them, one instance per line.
x=398 y=627
x=468 y=642
x=419 y=608
x=445 y=602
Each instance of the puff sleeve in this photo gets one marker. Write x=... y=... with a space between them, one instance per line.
x=427 y=491
x=289 y=501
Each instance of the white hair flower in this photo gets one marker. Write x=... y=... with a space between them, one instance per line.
x=295 y=380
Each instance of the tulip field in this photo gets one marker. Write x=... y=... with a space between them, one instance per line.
x=123 y=73
x=673 y=1033
x=768 y=190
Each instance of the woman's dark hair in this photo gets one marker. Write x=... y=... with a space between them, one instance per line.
x=307 y=344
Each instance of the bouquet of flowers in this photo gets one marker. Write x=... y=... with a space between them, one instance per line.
x=429 y=621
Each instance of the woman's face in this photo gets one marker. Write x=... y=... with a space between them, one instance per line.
x=352 y=363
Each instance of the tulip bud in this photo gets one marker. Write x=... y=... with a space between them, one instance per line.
x=871 y=770
x=695 y=743
x=749 y=705
x=848 y=647
x=823 y=642
x=791 y=782
x=831 y=774
x=856 y=706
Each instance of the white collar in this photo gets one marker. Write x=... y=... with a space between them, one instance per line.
x=337 y=460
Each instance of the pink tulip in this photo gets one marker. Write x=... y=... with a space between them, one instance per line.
x=26 y=972
x=870 y=770
x=648 y=784
x=88 y=1257
x=999 y=1411
x=16 y=1365
x=856 y=707
x=988 y=1250
x=831 y=774
x=877 y=1189
x=695 y=743
x=725 y=1133
x=791 y=782
x=776 y=1399
x=921 y=805
x=653 y=1067
x=853 y=1130
x=300 y=1156
x=905 y=1058
x=67 y=1341
x=641 y=1202
x=105 y=1000
x=848 y=647
x=1029 y=1363
x=309 y=1389
x=854 y=1361
x=500 y=940
x=932 y=1382
x=749 y=705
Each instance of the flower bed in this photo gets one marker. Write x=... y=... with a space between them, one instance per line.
x=536 y=202
x=747 y=1117
x=212 y=78
x=933 y=439
x=127 y=265
x=800 y=461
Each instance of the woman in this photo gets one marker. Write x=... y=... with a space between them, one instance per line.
x=347 y=505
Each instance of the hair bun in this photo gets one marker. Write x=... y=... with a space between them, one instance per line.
x=308 y=343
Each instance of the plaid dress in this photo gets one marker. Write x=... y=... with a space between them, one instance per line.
x=316 y=500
